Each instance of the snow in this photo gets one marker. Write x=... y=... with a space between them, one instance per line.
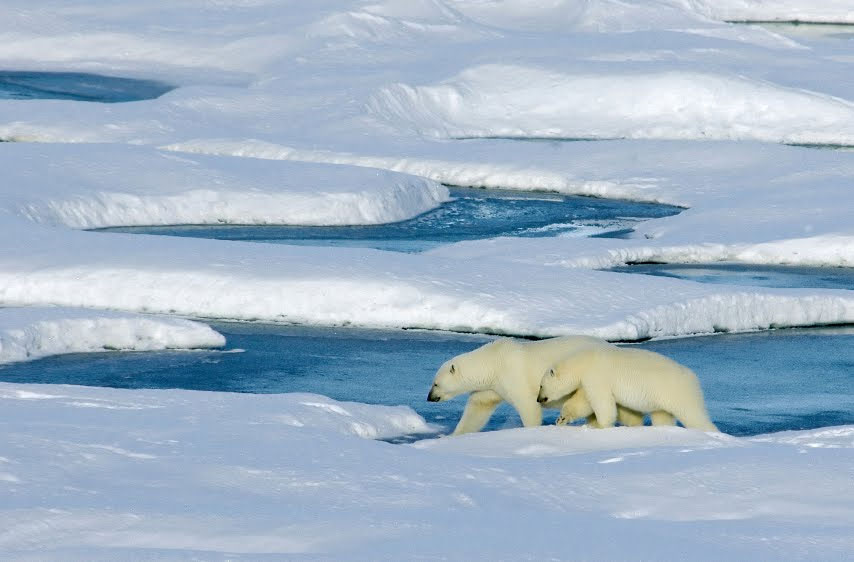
x=370 y=288
x=284 y=133
x=179 y=475
x=823 y=11
x=352 y=112
x=630 y=15
x=119 y=185
x=514 y=101
x=32 y=333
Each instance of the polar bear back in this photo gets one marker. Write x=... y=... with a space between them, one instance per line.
x=639 y=379
x=523 y=363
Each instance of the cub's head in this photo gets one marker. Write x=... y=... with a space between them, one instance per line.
x=550 y=387
x=447 y=383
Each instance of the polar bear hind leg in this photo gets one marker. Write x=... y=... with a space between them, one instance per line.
x=628 y=417
x=660 y=417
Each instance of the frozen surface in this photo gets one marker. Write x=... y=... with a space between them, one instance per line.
x=142 y=474
x=340 y=286
x=31 y=333
x=519 y=102
x=88 y=473
x=119 y=185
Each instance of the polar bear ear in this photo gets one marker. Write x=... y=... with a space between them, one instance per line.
x=453 y=369
x=551 y=372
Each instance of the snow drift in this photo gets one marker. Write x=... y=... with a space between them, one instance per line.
x=524 y=102
x=32 y=333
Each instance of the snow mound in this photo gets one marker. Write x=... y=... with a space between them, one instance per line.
x=503 y=169
x=32 y=333
x=550 y=441
x=86 y=186
x=523 y=102
x=814 y=11
x=828 y=250
x=350 y=418
x=554 y=441
x=634 y=15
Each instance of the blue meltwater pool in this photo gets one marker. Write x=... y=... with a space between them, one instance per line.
x=754 y=383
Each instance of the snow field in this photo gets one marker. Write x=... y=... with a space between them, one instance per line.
x=369 y=288
x=206 y=475
x=88 y=473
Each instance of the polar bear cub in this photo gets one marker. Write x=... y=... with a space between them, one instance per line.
x=509 y=370
x=642 y=380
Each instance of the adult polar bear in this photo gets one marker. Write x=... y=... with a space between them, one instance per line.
x=642 y=380
x=509 y=370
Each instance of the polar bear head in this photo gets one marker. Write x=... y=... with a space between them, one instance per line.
x=564 y=377
x=448 y=382
x=551 y=388
x=469 y=372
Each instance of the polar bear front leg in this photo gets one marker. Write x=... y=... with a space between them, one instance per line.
x=526 y=404
x=628 y=417
x=531 y=413
x=604 y=406
x=478 y=410
x=574 y=407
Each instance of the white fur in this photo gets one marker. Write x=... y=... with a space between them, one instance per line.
x=506 y=370
x=641 y=380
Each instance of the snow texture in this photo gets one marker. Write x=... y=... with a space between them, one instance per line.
x=296 y=132
x=183 y=475
x=520 y=102
x=339 y=286
x=351 y=112
x=120 y=185
x=32 y=333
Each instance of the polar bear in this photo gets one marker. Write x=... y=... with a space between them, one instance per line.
x=642 y=380
x=509 y=370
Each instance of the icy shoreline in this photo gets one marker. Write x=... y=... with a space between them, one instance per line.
x=32 y=333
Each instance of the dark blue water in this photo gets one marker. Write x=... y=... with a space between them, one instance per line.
x=754 y=383
x=759 y=275
x=77 y=86
x=473 y=214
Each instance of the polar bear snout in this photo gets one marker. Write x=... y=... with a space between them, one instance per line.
x=433 y=396
x=542 y=398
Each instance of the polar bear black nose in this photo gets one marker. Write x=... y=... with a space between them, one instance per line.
x=542 y=399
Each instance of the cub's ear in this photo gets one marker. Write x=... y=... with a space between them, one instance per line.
x=551 y=372
x=453 y=369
